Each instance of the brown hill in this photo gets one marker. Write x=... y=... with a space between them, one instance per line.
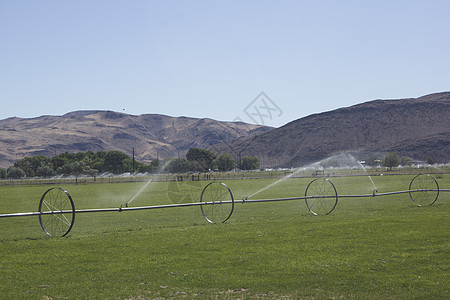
x=418 y=128
x=151 y=135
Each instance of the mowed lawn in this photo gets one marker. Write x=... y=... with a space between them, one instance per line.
x=367 y=248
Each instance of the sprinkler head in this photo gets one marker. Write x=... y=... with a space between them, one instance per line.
x=122 y=205
x=374 y=191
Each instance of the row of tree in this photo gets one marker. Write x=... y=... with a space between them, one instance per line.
x=116 y=162
x=88 y=163
x=201 y=160
x=392 y=160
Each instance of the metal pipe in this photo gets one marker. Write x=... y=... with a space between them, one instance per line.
x=20 y=214
x=121 y=209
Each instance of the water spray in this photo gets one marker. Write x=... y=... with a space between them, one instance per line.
x=375 y=189
x=57 y=211
x=295 y=172
x=143 y=188
x=137 y=194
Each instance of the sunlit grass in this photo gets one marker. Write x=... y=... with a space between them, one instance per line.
x=377 y=247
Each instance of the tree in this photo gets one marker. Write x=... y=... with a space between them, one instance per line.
x=154 y=166
x=77 y=168
x=371 y=161
x=249 y=163
x=15 y=173
x=30 y=165
x=25 y=166
x=202 y=159
x=117 y=162
x=405 y=161
x=82 y=163
x=2 y=173
x=224 y=162
x=59 y=161
x=430 y=161
x=180 y=165
x=391 y=160
x=45 y=171
x=71 y=169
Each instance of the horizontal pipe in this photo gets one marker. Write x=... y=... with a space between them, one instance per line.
x=121 y=209
x=20 y=214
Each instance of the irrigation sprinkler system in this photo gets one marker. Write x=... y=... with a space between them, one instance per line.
x=57 y=210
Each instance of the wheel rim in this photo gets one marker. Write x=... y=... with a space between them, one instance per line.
x=57 y=212
x=321 y=196
x=217 y=202
x=424 y=190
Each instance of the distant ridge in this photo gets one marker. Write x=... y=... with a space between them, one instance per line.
x=152 y=135
x=417 y=127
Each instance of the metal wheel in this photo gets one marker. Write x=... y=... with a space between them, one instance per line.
x=56 y=212
x=321 y=196
x=424 y=190
x=217 y=202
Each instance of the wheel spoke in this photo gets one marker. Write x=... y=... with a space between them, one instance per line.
x=57 y=212
x=424 y=190
x=217 y=202
x=321 y=196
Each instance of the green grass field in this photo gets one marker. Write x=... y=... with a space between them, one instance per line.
x=367 y=248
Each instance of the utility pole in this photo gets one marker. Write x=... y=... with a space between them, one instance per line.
x=133 y=160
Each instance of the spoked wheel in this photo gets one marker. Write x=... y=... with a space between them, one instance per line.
x=321 y=196
x=423 y=190
x=56 y=212
x=217 y=202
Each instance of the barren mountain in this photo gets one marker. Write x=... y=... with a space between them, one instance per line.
x=151 y=135
x=418 y=128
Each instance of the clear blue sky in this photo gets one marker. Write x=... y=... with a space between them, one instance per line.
x=213 y=58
